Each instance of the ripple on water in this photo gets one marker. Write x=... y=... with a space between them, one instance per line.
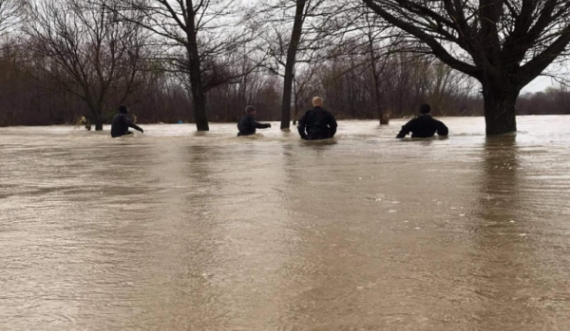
x=177 y=230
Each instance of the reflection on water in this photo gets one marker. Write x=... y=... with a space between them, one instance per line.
x=503 y=253
x=174 y=230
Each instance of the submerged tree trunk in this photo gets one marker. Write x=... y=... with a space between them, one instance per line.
x=196 y=83
x=95 y=117
x=290 y=65
x=286 y=101
x=500 y=114
x=98 y=121
x=378 y=98
x=199 y=101
x=382 y=116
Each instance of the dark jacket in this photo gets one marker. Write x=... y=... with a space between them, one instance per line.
x=317 y=123
x=121 y=124
x=247 y=125
x=423 y=126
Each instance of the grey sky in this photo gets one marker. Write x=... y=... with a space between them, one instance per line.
x=540 y=83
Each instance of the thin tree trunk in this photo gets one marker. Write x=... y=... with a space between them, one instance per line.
x=383 y=117
x=290 y=64
x=500 y=101
x=296 y=104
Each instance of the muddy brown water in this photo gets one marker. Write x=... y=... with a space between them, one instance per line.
x=175 y=230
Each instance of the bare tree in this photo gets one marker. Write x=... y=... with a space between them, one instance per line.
x=195 y=34
x=10 y=14
x=379 y=45
x=444 y=85
x=86 y=51
x=504 y=44
x=292 y=50
x=294 y=35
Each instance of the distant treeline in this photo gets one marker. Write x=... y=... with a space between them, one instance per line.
x=550 y=102
x=172 y=61
x=28 y=98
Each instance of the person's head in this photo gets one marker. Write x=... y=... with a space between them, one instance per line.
x=317 y=102
x=250 y=110
x=425 y=108
x=123 y=109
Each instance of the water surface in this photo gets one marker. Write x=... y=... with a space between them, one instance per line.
x=178 y=230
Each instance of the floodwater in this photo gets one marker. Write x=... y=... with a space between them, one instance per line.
x=175 y=230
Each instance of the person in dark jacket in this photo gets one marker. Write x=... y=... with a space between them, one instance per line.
x=317 y=123
x=424 y=126
x=121 y=123
x=247 y=125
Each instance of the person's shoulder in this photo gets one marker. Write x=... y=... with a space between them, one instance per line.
x=330 y=115
x=321 y=110
x=414 y=119
x=436 y=120
x=121 y=116
x=425 y=118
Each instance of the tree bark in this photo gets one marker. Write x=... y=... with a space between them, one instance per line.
x=196 y=83
x=500 y=114
x=497 y=37
x=287 y=90
x=98 y=120
x=199 y=100
x=290 y=64
x=382 y=116
x=384 y=119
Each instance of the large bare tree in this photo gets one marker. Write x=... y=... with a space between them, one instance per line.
x=86 y=51
x=196 y=37
x=504 y=44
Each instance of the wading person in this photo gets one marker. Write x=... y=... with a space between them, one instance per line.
x=317 y=123
x=121 y=123
x=423 y=126
x=247 y=125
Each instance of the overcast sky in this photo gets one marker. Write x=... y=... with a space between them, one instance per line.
x=540 y=84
